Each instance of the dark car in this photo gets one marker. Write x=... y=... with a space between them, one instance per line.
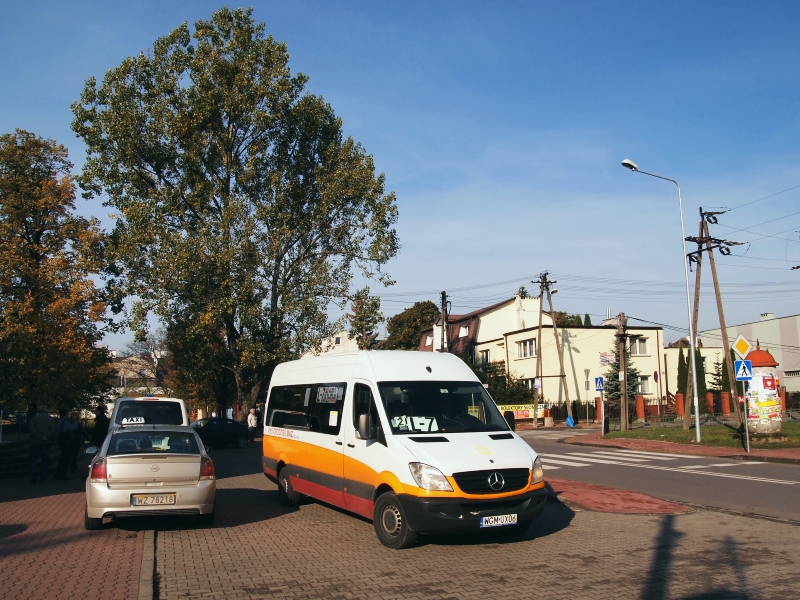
x=217 y=432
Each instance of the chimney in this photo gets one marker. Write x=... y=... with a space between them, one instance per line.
x=767 y=316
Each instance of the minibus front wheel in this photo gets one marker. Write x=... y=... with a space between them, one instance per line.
x=286 y=494
x=391 y=525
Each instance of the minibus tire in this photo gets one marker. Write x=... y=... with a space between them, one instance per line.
x=286 y=494
x=391 y=525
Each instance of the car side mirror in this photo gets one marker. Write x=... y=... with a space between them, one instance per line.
x=91 y=450
x=365 y=427
x=509 y=417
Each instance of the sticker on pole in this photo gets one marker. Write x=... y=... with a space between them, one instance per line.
x=741 y=346
x=598 y=384
x=744 y=370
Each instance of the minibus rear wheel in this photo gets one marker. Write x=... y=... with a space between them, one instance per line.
x=286 y=494
x=391 y=525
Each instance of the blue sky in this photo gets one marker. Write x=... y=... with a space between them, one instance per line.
x=501 y=127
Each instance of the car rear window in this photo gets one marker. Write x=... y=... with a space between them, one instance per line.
x=138 y=442
x=149 y=412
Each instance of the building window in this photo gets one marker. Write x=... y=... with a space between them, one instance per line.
x=463 y=331
x=526 y=348
x=644 y=384
x=638 y=346
x=483 y=357
x=337 y=341
x=428 y=340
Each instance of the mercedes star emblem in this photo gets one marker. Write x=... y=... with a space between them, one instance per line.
x=496 y=481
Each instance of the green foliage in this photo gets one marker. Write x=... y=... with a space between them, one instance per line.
x=716 y=376
x=405 y=328
x=365 y=317
x=564 y=319
x=726 y=386
x=612 y=385
x=504 y=388
x=50 y=310
x=683 y=373
x=242 y=211
x=522 y=292
x=587 y=321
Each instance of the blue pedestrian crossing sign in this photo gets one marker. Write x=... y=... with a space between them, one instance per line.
x=598 y=384
x=744 y=370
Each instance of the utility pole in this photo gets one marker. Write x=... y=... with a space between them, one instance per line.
x=723 y=329
x=443 y=340
x=545 y=283
x=622 y=322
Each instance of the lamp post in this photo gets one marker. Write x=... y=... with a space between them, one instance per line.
x=629 y=164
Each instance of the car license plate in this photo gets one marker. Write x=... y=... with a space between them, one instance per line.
x=498 y=521
x=152 y=499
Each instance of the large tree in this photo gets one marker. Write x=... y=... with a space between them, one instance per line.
x=406 y=327
x=50 y=310
x=364 y=319
x=238 y=199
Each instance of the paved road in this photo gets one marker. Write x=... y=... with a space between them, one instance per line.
x=259 y=549
x=743 y=486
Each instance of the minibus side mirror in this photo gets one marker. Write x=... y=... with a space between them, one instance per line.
x=365 y=427
x=509 y=417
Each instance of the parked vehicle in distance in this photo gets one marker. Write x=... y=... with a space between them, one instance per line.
x=411 y=440
x=149 y=410
x=146 y=470
x=218 y=432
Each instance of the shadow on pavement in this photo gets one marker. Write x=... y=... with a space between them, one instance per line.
x=656 y=586
x=236 y=462
x=7 y=530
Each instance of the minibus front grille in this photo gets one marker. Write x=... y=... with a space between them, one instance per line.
x=478 y=482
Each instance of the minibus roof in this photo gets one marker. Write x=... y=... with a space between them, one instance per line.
x=376 y=365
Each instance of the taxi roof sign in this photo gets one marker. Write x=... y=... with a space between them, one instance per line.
x=741 y=346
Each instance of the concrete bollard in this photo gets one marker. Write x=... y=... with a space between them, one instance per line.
x=726 y=403
x=679 y=404
x=710 y=402
x=640 y=408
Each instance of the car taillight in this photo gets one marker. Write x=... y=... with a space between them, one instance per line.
x=99 y=471
x=206 y=468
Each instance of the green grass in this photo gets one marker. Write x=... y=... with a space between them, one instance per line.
x=713 y=435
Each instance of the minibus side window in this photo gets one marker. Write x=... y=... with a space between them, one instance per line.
x=364 y=403
x=289 y=406
x=326 y=407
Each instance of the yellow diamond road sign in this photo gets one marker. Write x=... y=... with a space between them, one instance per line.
x=741 y=346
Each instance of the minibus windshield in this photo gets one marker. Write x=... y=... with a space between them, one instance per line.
x=415 y=407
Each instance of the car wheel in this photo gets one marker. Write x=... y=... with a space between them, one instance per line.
x=206 y=520
x=241 y=441
x=391 y=524
x=286 y=494
x=90 y=524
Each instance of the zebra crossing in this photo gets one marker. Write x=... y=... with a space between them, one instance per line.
x=652 y=461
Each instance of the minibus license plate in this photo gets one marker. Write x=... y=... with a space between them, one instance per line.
x=152 y=499
x=498 y=521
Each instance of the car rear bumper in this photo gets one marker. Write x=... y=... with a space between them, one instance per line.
x=102 y=502
x=444 y=515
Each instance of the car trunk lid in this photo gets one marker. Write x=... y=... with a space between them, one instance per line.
x=152 y=470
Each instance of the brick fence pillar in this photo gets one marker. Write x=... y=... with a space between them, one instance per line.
x=640 y=408
x=783 y=399
x=710 y=402
x=679 y=404
x=726 y=403
x=598 y=408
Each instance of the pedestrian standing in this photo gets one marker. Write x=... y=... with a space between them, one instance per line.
x=64 y=429
x=79 y=436
x=42 y=429
x=101 y=423
x=252 y=424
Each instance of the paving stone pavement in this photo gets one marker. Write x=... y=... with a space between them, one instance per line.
x=259 y=549
x=45 y=552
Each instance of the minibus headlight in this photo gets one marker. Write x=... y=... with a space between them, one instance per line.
x=538 y=471
x=429 y=478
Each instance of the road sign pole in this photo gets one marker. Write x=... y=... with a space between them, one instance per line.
x=746 y=429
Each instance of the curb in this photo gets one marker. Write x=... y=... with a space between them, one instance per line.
x=146 y=572
x=756 y=457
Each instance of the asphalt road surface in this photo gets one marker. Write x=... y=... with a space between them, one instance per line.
x=767 y=489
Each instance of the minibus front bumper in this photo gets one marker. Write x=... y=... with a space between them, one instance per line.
x=458 y=515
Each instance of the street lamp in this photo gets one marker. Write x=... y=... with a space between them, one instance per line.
x=629 y=164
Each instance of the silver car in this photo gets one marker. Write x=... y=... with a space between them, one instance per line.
x=146 y=470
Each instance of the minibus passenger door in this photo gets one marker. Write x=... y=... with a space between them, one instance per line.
x=364 y=459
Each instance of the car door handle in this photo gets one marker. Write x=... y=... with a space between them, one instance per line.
x=351 y=445
x=338 y=443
